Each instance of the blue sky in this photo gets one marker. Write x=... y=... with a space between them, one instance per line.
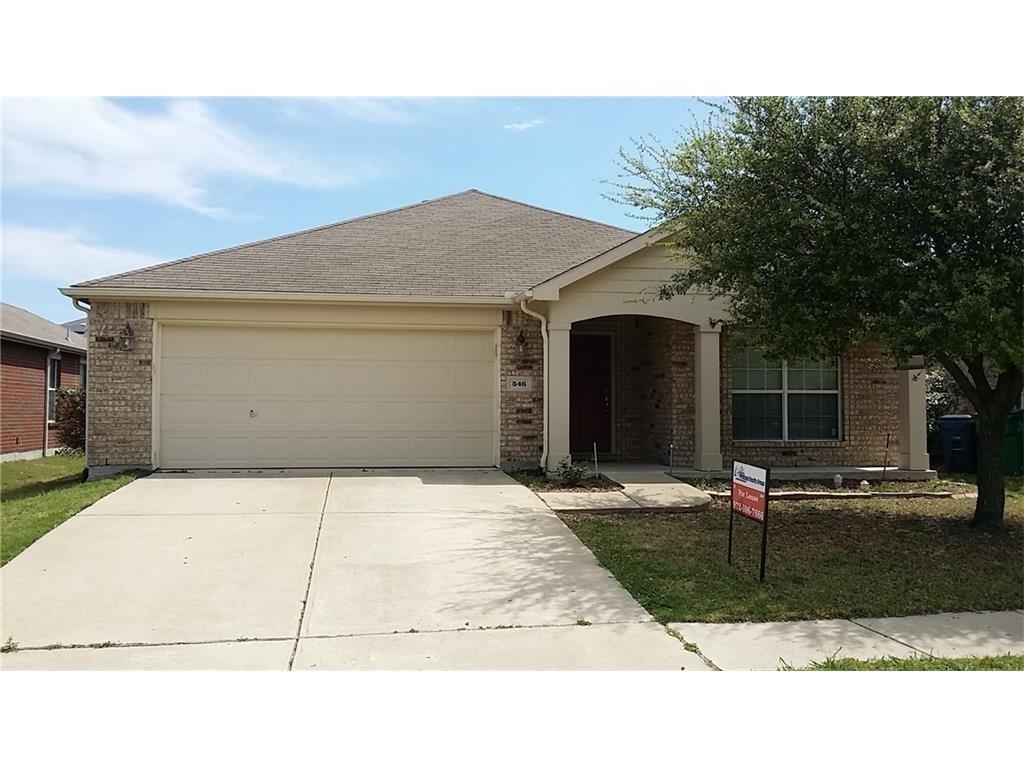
x=93 y=187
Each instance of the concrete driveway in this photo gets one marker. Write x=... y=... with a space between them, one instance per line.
x=323 y=570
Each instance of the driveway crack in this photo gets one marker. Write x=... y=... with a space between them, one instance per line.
x=309 y=580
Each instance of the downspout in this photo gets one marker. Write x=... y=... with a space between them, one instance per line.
x=544 y=337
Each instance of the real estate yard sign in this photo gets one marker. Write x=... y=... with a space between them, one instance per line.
x=750 y=499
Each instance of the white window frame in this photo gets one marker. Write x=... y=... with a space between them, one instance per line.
x=52 y=364
x=786 y=392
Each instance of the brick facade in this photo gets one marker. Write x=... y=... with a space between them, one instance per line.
x=121 y=386
x=653 y=404
x=869 y=408
x=654 y=395
x=23 y=396
x=521 y=414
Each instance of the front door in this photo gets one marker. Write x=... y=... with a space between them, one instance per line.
x=590 y=393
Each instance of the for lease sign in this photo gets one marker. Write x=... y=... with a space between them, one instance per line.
x=749 y=490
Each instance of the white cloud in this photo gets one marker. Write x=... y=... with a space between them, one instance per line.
x=64 y=257
x=391 y=111
x=96 y=146
x=378 y=110
x=526 y=125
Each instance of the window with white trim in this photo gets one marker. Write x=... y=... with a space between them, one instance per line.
x=52 y=385
x=774 y=400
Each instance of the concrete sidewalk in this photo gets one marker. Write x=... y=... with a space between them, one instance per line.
x=770 y=645
x=643 y=487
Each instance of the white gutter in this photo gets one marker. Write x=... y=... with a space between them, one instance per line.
x=544 y=336
x=146 y=294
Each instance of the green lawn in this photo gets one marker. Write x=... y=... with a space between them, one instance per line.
x=954 y=483
x=826 y=559
x=38 y=495
x=1007 y=663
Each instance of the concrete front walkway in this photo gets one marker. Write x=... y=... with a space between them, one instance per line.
x=768 y=646
x=644 y=486
x=321 y=570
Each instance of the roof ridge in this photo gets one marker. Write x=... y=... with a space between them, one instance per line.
x=550 y=210
x=343 y=222
x=261 y=241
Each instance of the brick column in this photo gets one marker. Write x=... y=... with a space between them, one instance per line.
x=558 y=394
x=707 y=399
x=912 y=422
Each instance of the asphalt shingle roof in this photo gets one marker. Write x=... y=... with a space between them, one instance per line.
x=20 y=324
x=466 y=244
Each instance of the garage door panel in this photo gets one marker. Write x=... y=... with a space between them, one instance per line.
x=185 y=341
x=355 y=378
x=476 y=415
x=185 y=378
x=392 y=414
x=274 y=376
x=394 y=378
x=467 y=446
x=429 y=414
x=183 y=451
x=434 y=379
x=325 y=397
x=183 y=412
x=472 y=347
x=474 y=379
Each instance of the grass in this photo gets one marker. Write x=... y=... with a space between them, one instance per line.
x=826 y=559
x=39 y=494
x=1008 y=663
x=955 y=483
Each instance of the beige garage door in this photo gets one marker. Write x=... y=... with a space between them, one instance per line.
x=285 y=397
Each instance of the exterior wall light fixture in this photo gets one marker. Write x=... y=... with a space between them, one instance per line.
x=126 y=338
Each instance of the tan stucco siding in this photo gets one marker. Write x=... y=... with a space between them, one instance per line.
x=630 y=287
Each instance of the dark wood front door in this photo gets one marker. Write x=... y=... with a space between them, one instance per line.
x=590 y=393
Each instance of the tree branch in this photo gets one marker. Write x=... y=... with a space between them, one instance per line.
x=961 y=379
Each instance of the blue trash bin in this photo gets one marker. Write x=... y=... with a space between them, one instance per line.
x=959 y=443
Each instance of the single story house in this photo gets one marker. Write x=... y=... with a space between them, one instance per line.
x=37 y=358
x=472 y=331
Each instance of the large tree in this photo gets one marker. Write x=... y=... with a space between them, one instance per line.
x=828 y=221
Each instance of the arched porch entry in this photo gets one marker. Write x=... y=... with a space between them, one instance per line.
x=636 y=386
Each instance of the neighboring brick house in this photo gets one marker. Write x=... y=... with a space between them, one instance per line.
x=470 y=330
x=37 y=357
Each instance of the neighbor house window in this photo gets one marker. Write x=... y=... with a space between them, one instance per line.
x=52 y=385
x=83 y=373
x=773 y=400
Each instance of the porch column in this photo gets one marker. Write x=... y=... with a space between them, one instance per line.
x=558 y=394
x=912 y=424
x=706 y=376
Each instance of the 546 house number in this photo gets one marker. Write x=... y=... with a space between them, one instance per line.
x=519 y=383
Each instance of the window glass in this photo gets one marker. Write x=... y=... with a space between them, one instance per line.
x=52 y=385
x=803 y=404
x=757 y=416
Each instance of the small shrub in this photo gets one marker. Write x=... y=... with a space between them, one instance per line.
x=571 y=473
x=70 y=417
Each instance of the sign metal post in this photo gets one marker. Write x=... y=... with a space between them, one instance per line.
x=749 y=498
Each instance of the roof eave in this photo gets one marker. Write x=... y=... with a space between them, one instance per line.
x=98 y=292
x=43 y=343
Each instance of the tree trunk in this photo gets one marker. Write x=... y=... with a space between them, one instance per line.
x=991 y=486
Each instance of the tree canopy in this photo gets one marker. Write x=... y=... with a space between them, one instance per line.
x=828 y=221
